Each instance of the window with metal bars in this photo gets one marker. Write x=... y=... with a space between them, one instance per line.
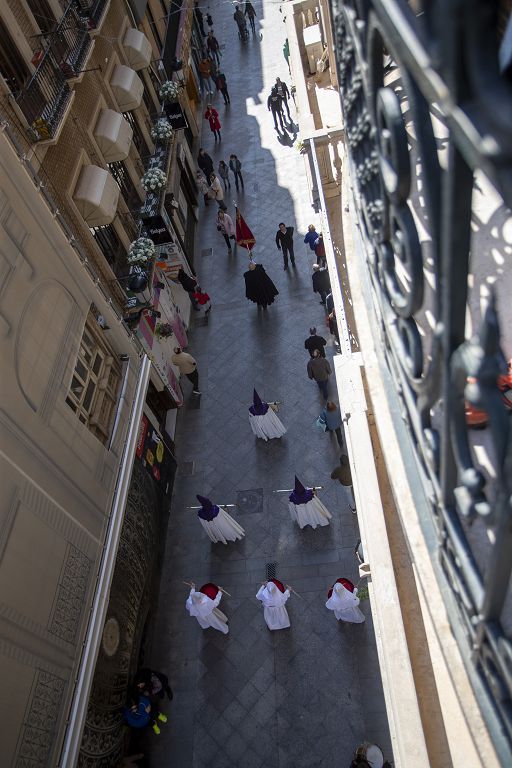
x=138 y=136
x=110 y=245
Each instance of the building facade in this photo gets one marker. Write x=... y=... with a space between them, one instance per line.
x=89 y=397
x=412 y=189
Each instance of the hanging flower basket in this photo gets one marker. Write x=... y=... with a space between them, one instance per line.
x=141 y=251
x=163 y=330
x=154 y=179
x=170 y=91
x=161 y=131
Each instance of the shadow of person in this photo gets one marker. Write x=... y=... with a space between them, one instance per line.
x=284 y=139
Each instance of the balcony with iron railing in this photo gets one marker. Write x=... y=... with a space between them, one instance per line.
x=45 y=99
x=93 y=11
x=70 y=42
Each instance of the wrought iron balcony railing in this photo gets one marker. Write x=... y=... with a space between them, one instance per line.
x=70 y=42
x=44 y=99
x=427 y=102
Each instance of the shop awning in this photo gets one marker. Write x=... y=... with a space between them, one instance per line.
x=113 y=134
x=127 y=87
x=137 y=48
x=96 y=195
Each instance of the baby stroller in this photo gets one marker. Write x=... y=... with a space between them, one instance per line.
x=243 y=32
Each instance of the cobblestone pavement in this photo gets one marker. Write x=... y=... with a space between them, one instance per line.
x=308 y=695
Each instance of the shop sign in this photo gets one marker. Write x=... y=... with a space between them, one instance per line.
x=175 y=115
x=154 y=454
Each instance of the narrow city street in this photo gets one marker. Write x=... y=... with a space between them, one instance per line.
x=308 y=695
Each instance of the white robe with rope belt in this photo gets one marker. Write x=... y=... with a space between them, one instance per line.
x=206 y=612
x=345 y=603
x=274 y=611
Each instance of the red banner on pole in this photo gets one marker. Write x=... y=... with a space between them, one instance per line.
x=244 y=236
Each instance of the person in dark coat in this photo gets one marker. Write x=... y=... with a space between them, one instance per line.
x=153 y=684
x=311 y=237
x=321 y=282
x=275 y=105
x=258 y=286
x=222 y=86
x=251 y=15
x=188 y=284
x=284 y=93
x=319 y=370
x=315 y=342
x=205 y=163
x=213 y=47
x=319 y=248
x=284 y=242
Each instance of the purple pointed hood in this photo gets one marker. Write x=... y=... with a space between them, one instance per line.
x=300 y=495
x=259 y=408
x=208 y=510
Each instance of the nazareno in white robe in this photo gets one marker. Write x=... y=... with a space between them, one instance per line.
x=222 y=528
x=268 y=426
x=312 y=513
x=206 y=612
x=345 y=604
x=274 y=611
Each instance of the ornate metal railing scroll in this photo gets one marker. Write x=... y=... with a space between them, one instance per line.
x=425 y=106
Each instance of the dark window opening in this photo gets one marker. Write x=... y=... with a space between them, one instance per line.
x=120 y=173
x=43 y=15
x=138 y=136
x=110 y=245
x=12 y=67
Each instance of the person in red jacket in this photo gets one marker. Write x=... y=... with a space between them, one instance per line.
x=202 y=299
x=212 y=116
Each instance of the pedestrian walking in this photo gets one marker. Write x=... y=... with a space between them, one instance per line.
x=333 y=326
x=321 y=282
x=216 y=192
x=236 y=167
x=275 y=105
x=319 y=370
x=284 y=93
x=152 y=684
x=202 y=300
x=264 y=421
x=224 y=174
x=226 y=227
x=343 y=601
x=202 y=185
x=205 y=163
x=212 y=116
x=251 y=15
x=315 y=342
x=332 y=419
x=222 y=86
x=311 y=236
x=187 y=366
x=319 y=248
x=205 y=609
x=199 y=18
x=274 y=595
x=286 y=53
x=284 y=242
x=188 y=284
x=139 y=714
x=240 y=22
x=344 y=475
x=213 y=47
x=217 y=523
x=206 y=72
x=258 y=286
x=306 y=508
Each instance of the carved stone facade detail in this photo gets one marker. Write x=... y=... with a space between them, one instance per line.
x=69 y=601
x=37 y=734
